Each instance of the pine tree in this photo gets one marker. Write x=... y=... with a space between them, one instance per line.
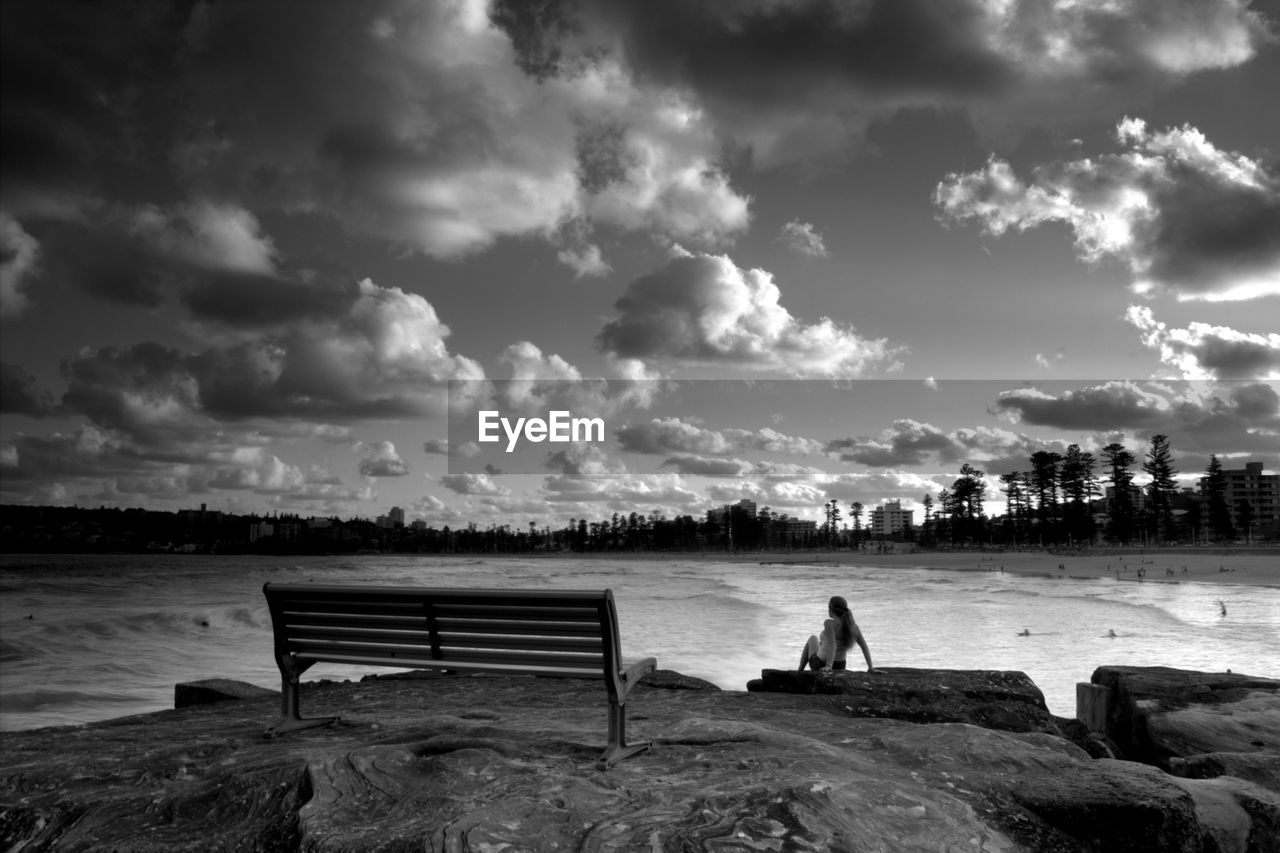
x=1120 y=510
x=1214 y=487
x=1163 y=486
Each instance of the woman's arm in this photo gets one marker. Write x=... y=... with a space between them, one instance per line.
x=862 y=644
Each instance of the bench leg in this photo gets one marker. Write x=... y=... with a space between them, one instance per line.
x=290 y=720
x=618 y=748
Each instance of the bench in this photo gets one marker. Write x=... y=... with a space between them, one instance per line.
x=557 y=633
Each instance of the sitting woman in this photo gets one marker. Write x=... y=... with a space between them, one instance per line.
x=839 y=633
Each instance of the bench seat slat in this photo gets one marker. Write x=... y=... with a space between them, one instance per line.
x=321 y=650
x=471 y=666
x=518 y=626
x=347 y=636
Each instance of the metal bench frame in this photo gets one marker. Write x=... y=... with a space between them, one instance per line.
x=558 y=633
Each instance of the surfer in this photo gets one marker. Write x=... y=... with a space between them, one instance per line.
x=1112 y=633
x=839 y=633
x=1025 y=633
x=1223 y=606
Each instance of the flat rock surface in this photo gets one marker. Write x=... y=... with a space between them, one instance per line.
x=507 y=764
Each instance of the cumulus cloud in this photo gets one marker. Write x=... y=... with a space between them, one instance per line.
x=19 y=253
x=803 y=238
x=383 y=355
x=911 y=442
x=704 y=309
x=1184 y=216
x=472 y=484
x=661 y=436
x=204 y=234
x=1202 y=351
x=380 y=460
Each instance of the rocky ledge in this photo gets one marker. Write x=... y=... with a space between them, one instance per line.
x=896 y=760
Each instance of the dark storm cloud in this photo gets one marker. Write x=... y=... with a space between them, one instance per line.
x=1201 y=417
x=701 y=466
x=75 y=79
x=791 y=79
x=20 y=394
x=1109 y=406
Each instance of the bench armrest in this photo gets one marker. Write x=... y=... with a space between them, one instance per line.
x=634 y=670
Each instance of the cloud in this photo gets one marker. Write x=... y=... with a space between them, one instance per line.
x=1109 y=406
x=472 y=484
x=204 y=234
x=661 y=436
x=911 y=442
x=702 y=466
x=380 y=460
x=1185 y=217
x=381 y=353
x=1202 y=351
x=436 y=446
x=21 y=395
x=19 y=254
x=703 y=309
x=1199 y=416
x=801 y=237
x=796 y=79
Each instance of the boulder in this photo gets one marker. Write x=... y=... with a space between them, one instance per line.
x=993 y=699
x=216 y=690
x=1194 y=722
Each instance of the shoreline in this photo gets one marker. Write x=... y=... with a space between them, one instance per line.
x=1225 y=566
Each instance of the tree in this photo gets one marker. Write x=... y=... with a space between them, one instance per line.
x=1163 y=486
x=1079 y=487
x=1044 y=482
x=927 y=502
x=1120 y=509
x=1244 y=512
x=1214 y=487
x=967 y=494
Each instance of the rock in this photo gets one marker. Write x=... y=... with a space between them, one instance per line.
x=672 y=680
x=216 y=690
x=1008 y=701
x=486 y=763
x=1167 y=717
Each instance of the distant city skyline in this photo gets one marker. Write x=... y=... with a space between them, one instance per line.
x=244 y=247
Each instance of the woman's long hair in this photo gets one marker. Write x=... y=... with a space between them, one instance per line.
x=846 y=627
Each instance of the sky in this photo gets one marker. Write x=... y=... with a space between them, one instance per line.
x=794 y=251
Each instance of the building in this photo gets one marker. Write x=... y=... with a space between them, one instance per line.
x=397 y=516
x=743 y=507
x=1260 y=491
x=890 y=519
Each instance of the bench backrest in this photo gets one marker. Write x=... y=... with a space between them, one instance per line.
x=561 y=632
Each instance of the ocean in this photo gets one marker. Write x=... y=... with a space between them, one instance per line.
x=92 y=637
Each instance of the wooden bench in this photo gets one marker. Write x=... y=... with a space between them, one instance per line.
x=559 y=633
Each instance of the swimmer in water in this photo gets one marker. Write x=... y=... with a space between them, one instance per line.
x=1112 y=633
x=1025 y=633
x=1223 y=605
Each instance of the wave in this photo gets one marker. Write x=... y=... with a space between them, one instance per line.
x=35 y=700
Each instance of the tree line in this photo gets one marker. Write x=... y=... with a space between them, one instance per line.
x=1056 y=500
